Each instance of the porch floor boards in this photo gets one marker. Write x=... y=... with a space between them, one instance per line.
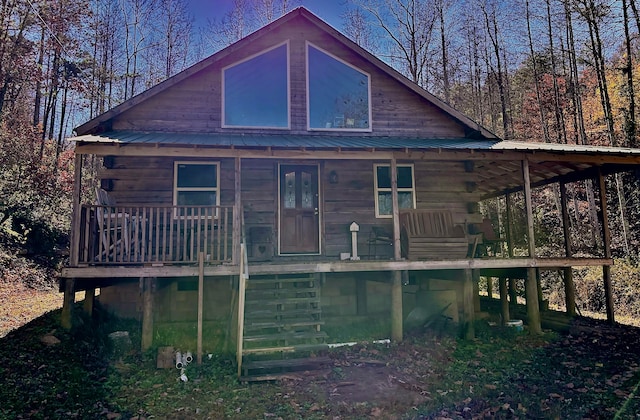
x=327 y=266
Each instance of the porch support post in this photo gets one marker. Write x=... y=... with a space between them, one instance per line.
x=469 y=307
x=396 y=276
x=237 y=214
x=74 y=239
x=147 y=285
x=74 y=235
x=89 y=299
x=533 y=308
x=507 y=229
x=200 y=307
x=606 y=239
x=504 y=302
x=67 y=303
x=569 y=286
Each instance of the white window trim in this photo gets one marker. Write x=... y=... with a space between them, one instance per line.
x=177 y=189
x=222 y=99
x=377 y=189
x=370 y=106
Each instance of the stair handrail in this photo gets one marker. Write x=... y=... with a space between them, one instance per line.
x=242 y=285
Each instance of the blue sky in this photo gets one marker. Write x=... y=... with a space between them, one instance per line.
x=327 y=10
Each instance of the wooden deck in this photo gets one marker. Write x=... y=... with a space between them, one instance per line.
x=328 y=266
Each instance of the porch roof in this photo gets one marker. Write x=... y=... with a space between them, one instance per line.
x=283 y=141
x=496 y=164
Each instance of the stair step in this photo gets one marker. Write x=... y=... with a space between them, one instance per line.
x=256 y=294
x=272 y=280
x=285 y=349
x=284 y=314
x=286 y=363
x=290 y=300
x=282 y=324
x=289 y=335
x=269 y=370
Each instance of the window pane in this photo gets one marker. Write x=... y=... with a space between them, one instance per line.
x=197 y=176
x=255 y=91
x=196 y=198
x=384 y=203
x=405 y=180
x=405 y=200
x=384 y=177
x=338 y=93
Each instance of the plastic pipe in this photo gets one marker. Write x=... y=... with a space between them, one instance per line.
x=179 y=360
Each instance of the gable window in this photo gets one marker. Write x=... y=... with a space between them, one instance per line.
x=406 y=189
x=196 y=184
x=255 y=92
x=339 y=95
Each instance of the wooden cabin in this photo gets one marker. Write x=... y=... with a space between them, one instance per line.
x=292 y=186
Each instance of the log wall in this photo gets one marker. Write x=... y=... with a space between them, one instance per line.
x=439 y=185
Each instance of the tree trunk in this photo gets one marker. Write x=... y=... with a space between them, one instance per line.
x=543 y=120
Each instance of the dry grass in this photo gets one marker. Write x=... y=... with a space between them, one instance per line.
x=20 y=304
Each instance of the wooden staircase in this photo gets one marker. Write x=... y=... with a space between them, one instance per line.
x=282 y=318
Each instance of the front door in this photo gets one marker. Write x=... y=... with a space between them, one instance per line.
x=299 y=215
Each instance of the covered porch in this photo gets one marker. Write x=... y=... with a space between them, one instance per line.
x=164 y=241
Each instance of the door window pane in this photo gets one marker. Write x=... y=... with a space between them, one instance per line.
x=290 y=190
x=307 y=191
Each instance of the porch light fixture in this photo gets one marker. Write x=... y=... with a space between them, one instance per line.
x=333 y=177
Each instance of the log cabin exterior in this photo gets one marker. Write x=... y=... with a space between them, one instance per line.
x=227 y=177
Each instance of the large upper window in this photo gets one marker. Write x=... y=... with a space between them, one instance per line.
x=338 y=94
x=406 y=189
x=196 y=184
x=256 y=91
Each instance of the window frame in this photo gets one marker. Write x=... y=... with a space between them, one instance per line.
x=377 y=189
x=369 y=105
x=251 y=57
x=177 y=189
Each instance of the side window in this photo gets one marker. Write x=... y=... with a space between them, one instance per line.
x=253 y=97
x=196 y=184
x=382 y=187
x=339 y=95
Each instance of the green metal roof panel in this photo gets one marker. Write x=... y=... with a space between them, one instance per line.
x=284 y=141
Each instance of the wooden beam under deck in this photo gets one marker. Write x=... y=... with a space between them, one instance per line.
x=104 y=272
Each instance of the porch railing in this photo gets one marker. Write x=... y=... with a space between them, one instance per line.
x=155 y=234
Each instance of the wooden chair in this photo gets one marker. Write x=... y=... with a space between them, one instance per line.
x=431 y=235
x=113 y=228
x=378 y=236
x=491 y=243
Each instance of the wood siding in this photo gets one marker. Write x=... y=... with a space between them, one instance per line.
x=139 y=181
x=194 y=105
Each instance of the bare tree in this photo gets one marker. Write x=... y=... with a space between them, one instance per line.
x=409 y=29
x=356 y=26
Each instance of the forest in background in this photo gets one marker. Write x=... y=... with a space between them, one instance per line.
x=555 y=71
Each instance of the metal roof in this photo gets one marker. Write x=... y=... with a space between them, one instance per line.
x=283 y=141
x=494 y=172
x=566 y=148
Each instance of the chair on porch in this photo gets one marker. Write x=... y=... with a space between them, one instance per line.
x=113 y=228
x=378 y=236
x=490 y=243
x=431 y=235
